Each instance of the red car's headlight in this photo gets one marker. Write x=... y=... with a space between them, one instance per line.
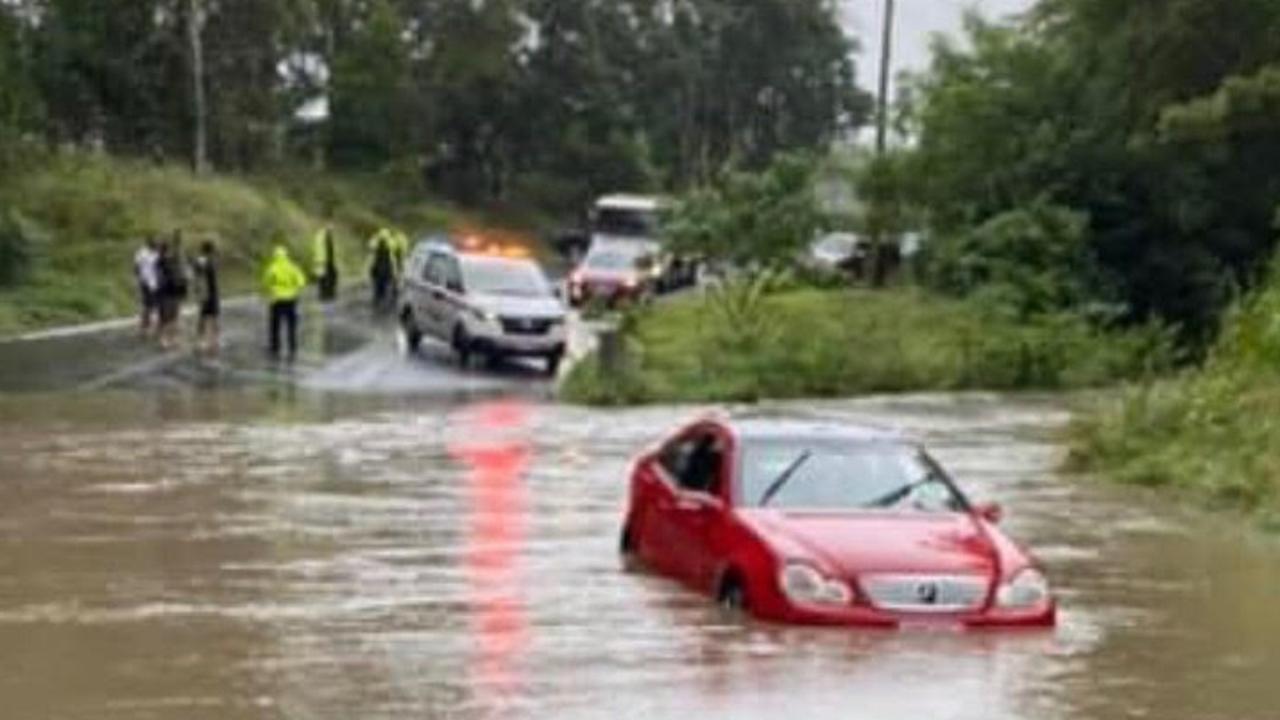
x=1028 y=589
x=805 y=585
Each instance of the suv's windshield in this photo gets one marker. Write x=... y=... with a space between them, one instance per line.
x=627 y=223
x=498 y=276
x=794 y=474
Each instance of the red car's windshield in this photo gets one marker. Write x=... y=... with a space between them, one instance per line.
x=613 y=261
x=797 y=475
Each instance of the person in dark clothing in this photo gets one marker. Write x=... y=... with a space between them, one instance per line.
x=172 y=290
x=382 y=271
x=324 y=258
x=205 y=269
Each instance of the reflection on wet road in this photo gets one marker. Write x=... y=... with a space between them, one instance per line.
x=296 y=555
x=343 y=349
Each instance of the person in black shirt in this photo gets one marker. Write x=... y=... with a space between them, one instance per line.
x=205 y=270
x=172 y=290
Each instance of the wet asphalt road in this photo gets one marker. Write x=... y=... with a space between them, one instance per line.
x=343 y=348
x=344 y=541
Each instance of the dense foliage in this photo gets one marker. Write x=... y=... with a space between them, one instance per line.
x=1133 y=146
x=1211 y=432
x=546 y=99
x=71 y=224
x=757 y=221
x=746 y=346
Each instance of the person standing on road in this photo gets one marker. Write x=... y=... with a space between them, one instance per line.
x=146 y=272
x=283 y=282
x=382 y=269
x=324 y=264
x=205 y=268
x=171 y=289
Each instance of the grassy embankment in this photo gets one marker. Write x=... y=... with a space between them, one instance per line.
x=78 y=220
x=1212 y=433
x=830 y=343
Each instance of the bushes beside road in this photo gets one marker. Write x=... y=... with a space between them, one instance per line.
x=70 y=222
x=745 y=344
x=1214 y=432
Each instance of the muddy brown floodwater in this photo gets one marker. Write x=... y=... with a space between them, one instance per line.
x=257 y=554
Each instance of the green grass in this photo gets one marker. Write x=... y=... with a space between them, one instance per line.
x=1212 y=433
x=804 y=343
x=85 y=216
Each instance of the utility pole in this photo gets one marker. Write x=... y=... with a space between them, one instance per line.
x=195 y=41
x=877 y=214
x=886 y=60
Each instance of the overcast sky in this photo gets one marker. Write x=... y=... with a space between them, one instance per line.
x=916 y=21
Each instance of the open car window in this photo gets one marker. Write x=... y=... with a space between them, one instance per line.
x=695 y=463
x=793 y=474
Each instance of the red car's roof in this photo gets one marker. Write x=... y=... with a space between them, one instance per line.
x=765 y=427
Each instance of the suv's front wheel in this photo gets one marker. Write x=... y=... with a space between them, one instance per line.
x=553 y=363
x=409 y=326
x=462 y=346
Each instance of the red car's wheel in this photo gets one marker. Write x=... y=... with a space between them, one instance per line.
x=626 y=542
x=627 y=548
x=733 y=594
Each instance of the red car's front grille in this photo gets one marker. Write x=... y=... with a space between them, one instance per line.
x=925 y=593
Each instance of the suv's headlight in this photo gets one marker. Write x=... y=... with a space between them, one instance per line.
x=1027 y=589
x=805 y=585
x=483 y=315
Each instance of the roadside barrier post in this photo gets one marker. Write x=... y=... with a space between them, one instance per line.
x=612 y=352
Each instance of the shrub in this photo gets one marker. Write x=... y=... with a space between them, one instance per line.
x=21 y=242
x=1033 y=259
x=744 y=344
x=1209 y=432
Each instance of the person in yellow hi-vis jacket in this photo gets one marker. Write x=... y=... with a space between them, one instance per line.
x=283 y=281
x=324 y=264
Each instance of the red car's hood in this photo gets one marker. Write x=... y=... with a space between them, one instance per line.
x=855 y=543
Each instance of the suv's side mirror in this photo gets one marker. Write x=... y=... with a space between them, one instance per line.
x=990 y=511
x=454 y=287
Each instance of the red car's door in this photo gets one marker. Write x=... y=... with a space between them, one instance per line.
x=689 y=507
x=654 y=498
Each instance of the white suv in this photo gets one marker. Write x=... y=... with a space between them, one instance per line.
x=491 y=304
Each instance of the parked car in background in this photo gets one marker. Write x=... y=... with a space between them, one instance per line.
x=624 y=219
x=837 y=253
x=627 y=217
x=615 y=273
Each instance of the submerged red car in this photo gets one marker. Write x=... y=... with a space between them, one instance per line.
x=826 y=525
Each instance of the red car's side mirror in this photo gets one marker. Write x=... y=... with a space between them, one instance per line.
x=991 y=512
x=700 y=502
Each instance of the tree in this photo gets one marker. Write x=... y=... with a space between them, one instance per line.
x=753 y=221
x=371 y=92
x=1065 y=110
x=19 y=101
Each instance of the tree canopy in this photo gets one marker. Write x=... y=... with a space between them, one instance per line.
x=1155 y=124
x=552 y=99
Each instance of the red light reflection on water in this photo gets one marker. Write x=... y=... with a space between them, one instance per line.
x=491 y=440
